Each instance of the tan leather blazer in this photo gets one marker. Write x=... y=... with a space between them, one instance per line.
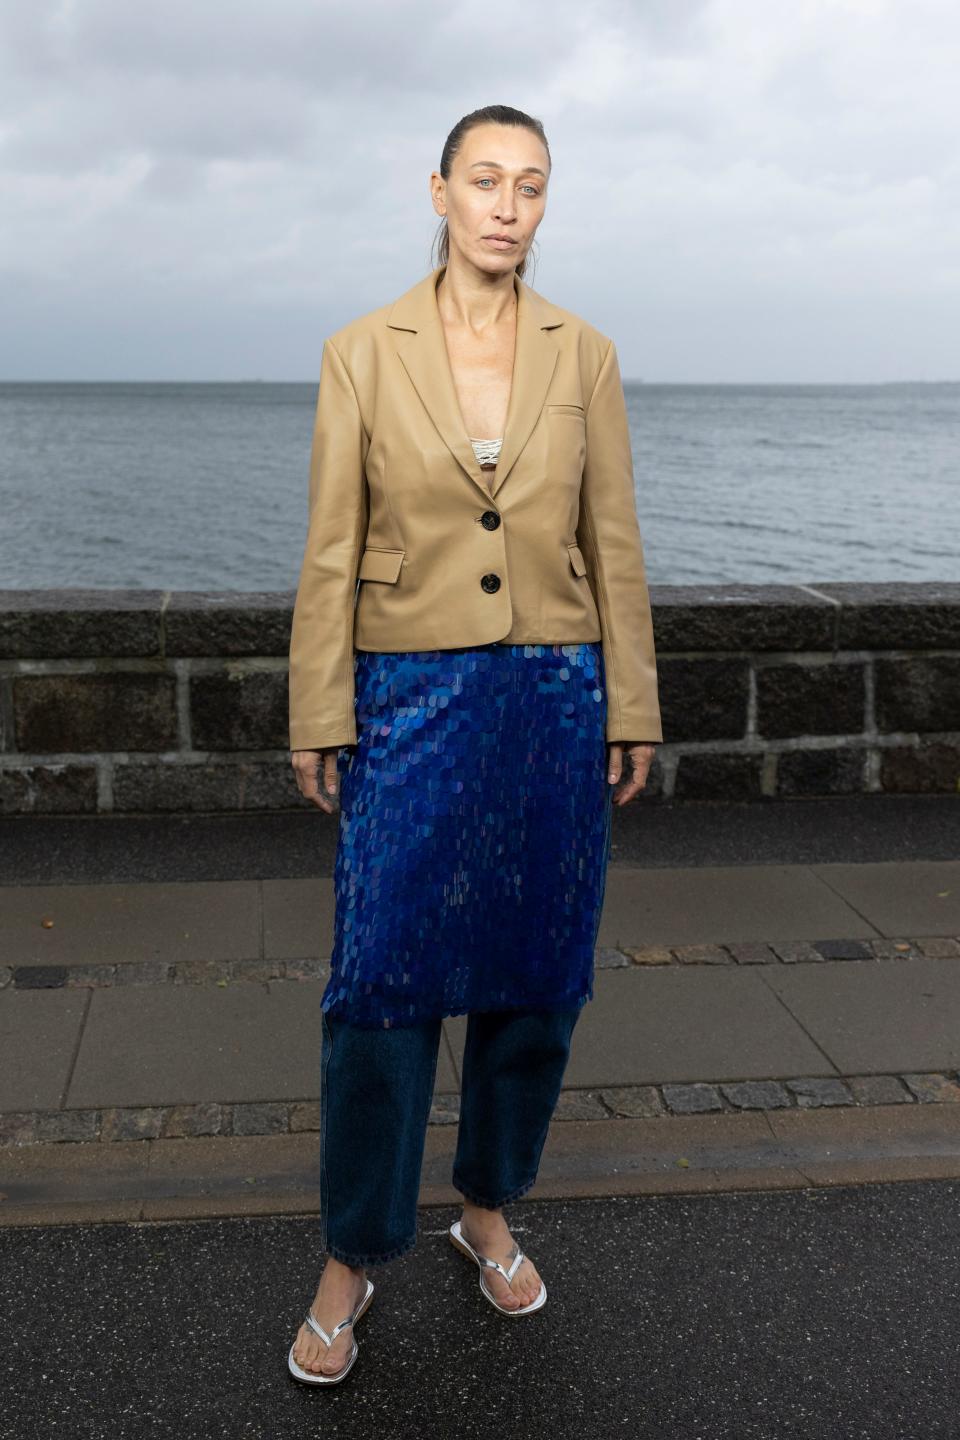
x=409 y=548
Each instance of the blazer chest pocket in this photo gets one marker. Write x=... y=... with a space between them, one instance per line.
x=576 y=559
x=567 y=409
x=379 y=564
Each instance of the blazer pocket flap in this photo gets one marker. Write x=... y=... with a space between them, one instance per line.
x=380 y=564
x=576 y=560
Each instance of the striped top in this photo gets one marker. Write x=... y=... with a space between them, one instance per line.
x=487 y=451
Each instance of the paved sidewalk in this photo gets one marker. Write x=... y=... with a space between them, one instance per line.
x=159 y=1038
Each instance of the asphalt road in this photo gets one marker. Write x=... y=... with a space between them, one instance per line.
x=813 y=1313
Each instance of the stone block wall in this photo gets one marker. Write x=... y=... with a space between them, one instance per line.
x=154 y=701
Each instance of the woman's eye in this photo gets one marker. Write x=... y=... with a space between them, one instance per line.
x=530 y=189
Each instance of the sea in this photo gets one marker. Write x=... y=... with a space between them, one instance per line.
x=204 y=486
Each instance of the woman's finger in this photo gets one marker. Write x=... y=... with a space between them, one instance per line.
x=641 y=758
x=309 y=766
x=330 y=772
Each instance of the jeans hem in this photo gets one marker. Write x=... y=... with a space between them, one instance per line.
x=347 y=1258
x=476 y=1199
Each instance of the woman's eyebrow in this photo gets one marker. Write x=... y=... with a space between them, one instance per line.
x=495 y=165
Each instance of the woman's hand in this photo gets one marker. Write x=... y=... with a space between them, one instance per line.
x=316 y=768
x=641 y=753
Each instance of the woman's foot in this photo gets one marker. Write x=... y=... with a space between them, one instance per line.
x=339 y=1293
x=488 y=1233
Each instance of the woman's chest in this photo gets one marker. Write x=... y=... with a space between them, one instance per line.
x=482 y=370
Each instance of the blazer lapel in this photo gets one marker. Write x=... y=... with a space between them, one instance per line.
x=423 y=352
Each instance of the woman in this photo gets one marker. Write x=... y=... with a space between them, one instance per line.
x=471 y=468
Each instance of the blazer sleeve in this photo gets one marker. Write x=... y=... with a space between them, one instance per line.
x=321 y=662
x=608 y=533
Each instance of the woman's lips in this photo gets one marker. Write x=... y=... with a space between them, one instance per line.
x=499 y=244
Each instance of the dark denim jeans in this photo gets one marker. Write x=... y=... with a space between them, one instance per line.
x=376 y=1087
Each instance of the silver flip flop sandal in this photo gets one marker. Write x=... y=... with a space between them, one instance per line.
x=312 y=1377
x=464 y=1246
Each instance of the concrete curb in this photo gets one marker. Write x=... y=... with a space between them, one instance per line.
x=206 y=1177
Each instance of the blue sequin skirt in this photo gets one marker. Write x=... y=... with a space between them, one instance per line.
x=474 y=833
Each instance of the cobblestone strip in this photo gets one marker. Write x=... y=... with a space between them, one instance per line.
x=638 y=1102
x=226 y=972
x=159 y=972
x=792 y=952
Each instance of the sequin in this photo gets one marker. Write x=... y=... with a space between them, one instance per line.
x=474 y=833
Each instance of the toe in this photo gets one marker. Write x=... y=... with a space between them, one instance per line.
x=304 y=1351
x=530 y=1285
x=503 y=1292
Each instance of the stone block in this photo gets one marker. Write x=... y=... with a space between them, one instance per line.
x=756 y=1094
x=240 y=707
x=634 y=1102
x=187 y=787
x=702 y=776
x=40 y=977
x=605 y=957
x=939 y=947
x=119 y=710
x=54 y=1126
x=917 y=693
x=48 y=789
x=928 y=768
x=580 y=1105
x=703 y=699
x=752 y=953
x=901 y=614
x=143 y=972
x=740 y=617
x=92 y=977
x=840 y=771
x=18 y=1127
x=182 y=1121
x=265 y=1118
x=691 y=1099
x=229 y=622
x=844 y=949
x=933 y=1088
x=73 y=623
x=812 y=1093
x=798 y=698
x=885 y=949
x=703 y=955
x=143 y=1122
x=879 y=1090
x=305 y=1116
x=649 y=954
x=306 y=968
x=445 y=1110
x=196 y=972
x=796 y=952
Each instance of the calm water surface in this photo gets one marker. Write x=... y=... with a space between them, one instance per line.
x=203 y=487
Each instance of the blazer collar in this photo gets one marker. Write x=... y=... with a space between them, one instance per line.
x=423 y=352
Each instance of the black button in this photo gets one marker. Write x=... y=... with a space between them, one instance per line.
x=489 y=519
x=490 y=583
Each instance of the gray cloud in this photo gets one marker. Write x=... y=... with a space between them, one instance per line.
x=740 y=191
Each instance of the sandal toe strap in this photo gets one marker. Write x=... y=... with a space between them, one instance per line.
x=515 y=1264
x=319 y=1330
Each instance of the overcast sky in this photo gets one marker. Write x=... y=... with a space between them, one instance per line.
x=742 y=190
